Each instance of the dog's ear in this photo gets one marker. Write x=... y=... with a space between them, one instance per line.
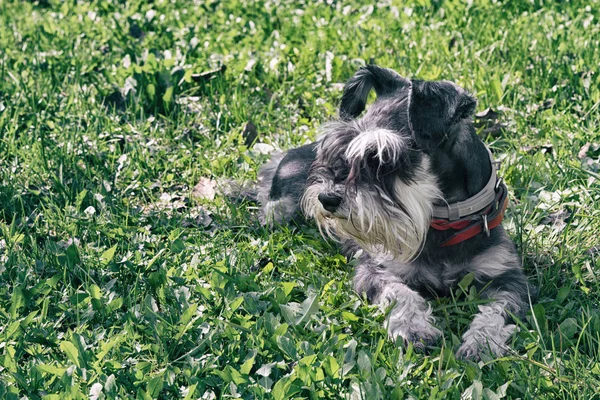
x=465 y=108
x=385 y=81
x=437 y=109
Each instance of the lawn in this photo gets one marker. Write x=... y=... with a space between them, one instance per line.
x=121 y=277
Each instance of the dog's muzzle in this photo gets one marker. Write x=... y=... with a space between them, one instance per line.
x=330 y=202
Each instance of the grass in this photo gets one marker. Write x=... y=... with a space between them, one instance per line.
x=116 y=282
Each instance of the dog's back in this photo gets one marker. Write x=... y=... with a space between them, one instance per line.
x=281 y=183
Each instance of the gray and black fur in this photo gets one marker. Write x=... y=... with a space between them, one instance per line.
x=370 y=182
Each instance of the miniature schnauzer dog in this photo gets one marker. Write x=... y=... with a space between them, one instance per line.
x=411 y=192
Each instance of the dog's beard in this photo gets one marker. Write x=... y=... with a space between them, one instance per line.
x=374 y=220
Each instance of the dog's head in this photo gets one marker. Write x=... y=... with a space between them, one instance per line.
x=372 y=180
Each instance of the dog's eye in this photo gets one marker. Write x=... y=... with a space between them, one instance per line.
x=339 y=178
x=340 y=174
x=373 y=162
x=335 y=174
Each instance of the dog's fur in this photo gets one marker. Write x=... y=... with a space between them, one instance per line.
x=371 y=182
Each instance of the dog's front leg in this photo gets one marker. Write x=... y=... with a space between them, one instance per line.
x=410 y=317
x=490 y=329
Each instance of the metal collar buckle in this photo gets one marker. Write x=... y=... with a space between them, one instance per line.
x=486 y=229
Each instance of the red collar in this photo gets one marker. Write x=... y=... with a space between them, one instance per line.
x=474 y=224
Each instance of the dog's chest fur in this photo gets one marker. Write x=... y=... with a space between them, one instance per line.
x=427 y=277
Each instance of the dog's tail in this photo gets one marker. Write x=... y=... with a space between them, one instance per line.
x=253 y=192
x=385 y=81
x=238 y=192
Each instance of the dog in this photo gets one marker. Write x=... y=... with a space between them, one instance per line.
x=412 y=193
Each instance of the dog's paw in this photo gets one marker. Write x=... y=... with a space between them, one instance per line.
x=476 y=343
x=474 y=351
x=416 y=329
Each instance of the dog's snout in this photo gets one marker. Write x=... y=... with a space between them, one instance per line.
x=330 y=201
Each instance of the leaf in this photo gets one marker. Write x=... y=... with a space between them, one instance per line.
x=348 y=316
x=168 y=96
x=331 y=366
x=115 y=304
x=108 y=255
x=188 y=314
x=288 y=311
x=263 y=148
x=78 y=298
x=95 y=292
x=96 y=391
x=141 y=394
x=288 y=287
x=72 y=255
x=151 y=90
x=350 y=351
x=187 y=77
x=155 y=258
x=16 y=302
x=307 y=308
x=13 y=329
x=204 y=189
x=497 y=89
x=563 y=293
x=50 y=369
x=268 y=268
x=106 y=347
x=381 y=373
x=540 y=315
x=569 y=327
x=236 y=377
x=318 y=375
x=473 y=392
x=18 y=238
x=247 y=365
x=281 y=388
x=287 y=346
x=347 y=367
x=190 y=392
x=71 y=351
x=111 y=385
x=155 y=386
x=364 y=362
x=80 y=198
x=466 y=281
x=397 y=394
x=583 y=151
x=25 y=323
x=265 y=369
x=501 y=391
x=177 y=246
x=489 y=395
x=308 y=360
x=234 y=305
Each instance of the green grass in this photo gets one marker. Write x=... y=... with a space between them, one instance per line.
x=115 y=282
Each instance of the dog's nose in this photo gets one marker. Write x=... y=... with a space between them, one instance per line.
x=330 y=202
